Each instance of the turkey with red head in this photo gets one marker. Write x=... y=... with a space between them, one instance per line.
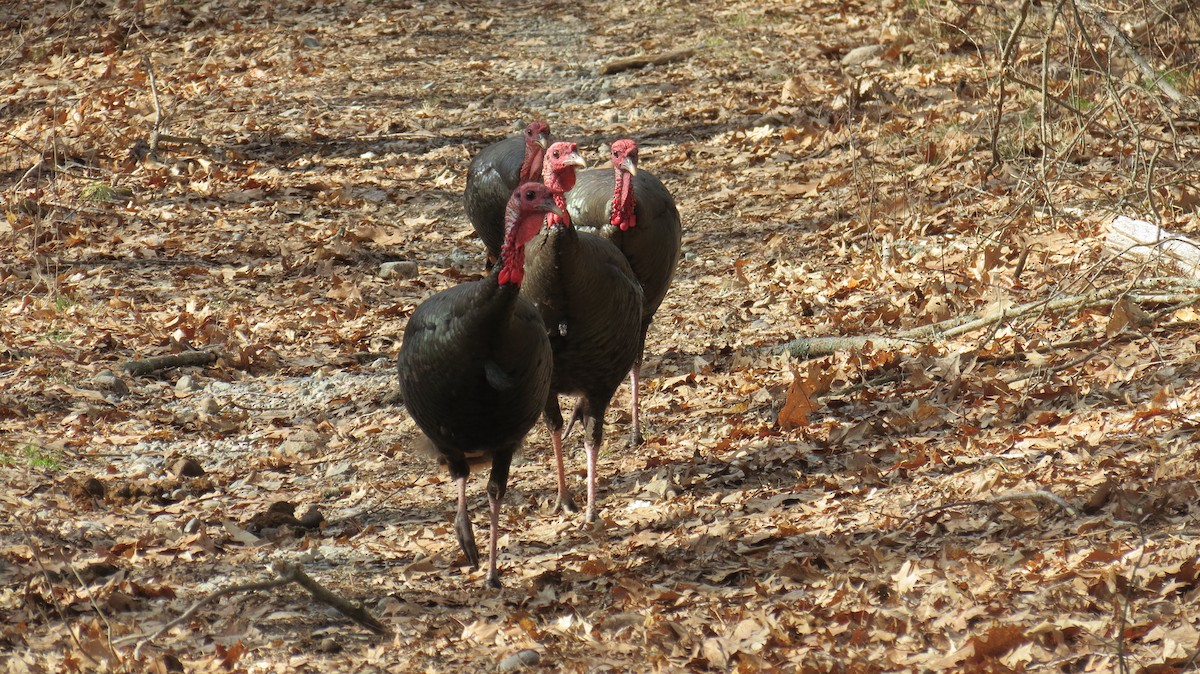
x=591 y=303
x=635 y=211
x=493 y=175
x=475 y=368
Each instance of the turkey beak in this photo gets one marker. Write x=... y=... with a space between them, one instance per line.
x=629 y=166
x=543 y=140
x=576 y=160
x=553 y=208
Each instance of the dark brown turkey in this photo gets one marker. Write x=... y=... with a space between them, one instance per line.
x=493 y=175
x=475 y=368
x=634 y=210
x=591 y=304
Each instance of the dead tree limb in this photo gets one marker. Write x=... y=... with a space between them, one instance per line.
x=1137 y=238
x=1035 y=495
x=1114 y=31
x=814 y=347
x=645 y=60
x=156 y=363
x=286 y=574
x=1156 y=290
x=356 y=612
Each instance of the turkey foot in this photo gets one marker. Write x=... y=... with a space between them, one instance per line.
x=635 y=437
x=466 y=538
x=565 y=503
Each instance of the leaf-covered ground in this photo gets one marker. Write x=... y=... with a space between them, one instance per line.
x=871 y=510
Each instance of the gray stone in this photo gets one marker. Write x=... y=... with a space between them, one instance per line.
x=860 y=55
x=402 y=269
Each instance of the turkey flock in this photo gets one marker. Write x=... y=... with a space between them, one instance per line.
x=578 y=263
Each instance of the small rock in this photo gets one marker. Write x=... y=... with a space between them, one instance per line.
x=209 y=405
x=340 y=469
x=860 y=55
x=305 y=443
x=311 y=518
x=185 y=385
x=310 y=42
x=192 y=526
x=520 y=659
x=328 y=645
x=401 y=269
x=619 y=621
x=108 y=381
x=374 y=195
x=187 y=468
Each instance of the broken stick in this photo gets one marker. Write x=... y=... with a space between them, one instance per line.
x=156 y=363
x=645 y=60
x=286 y=573
x=1137 y=238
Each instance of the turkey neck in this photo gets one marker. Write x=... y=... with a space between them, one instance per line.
x=531 y=166
x=559 y=183
x=561 y=241
x=623 y=216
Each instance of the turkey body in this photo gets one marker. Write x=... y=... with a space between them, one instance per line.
x=475 y=369
x=651 y=245
x=485 y=348
x=493 y=175
x=591 y=305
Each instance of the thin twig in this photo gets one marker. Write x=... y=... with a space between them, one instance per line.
x=355 y=612
x=201 y=603
x=1074 y=362
x=158 y=117
x=1005 y=64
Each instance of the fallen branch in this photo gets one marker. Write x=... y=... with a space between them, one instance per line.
x=144 y=639
x=814 y=347
x=355 y=612
x=1119 y=36
x=1155 y=290
x=811 y=347
x=1139 y=239
x=156 y=363
x=1036 y=495
x=645 y=60
x=286 y=573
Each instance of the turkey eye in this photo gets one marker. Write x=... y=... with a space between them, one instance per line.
x=530 y=195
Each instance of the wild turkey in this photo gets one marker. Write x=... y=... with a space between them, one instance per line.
x=493 y=175
x=591 y=303
x=634 y=210
x=475 y=368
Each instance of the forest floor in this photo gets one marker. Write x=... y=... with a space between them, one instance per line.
x=1020 y=494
